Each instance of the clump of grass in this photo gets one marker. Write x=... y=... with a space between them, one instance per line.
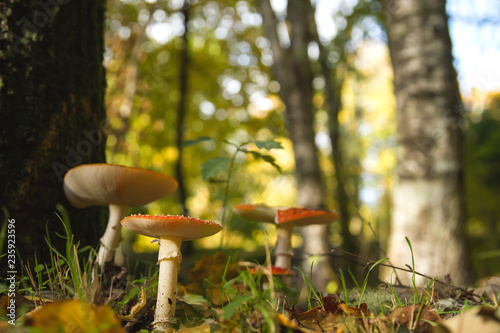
x=249 y=305
x=310 y=290
x=365 y=282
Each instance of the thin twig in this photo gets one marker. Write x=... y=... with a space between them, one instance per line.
x=296 y=318
x=50 y=281
x=30 y=274
x=409 y=270
x=317 y=323
x=269 y=273
x=59 y=274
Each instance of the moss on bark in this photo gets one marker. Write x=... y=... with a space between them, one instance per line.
x=52 y=105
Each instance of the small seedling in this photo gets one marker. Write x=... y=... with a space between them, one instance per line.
x=394 y=294
x=365 y=282
x=310 y=290
x=415 y=289
x=213 y=166
x=353 y=277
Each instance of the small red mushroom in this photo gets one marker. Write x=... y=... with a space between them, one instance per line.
x=275 y=271
x=285 y=219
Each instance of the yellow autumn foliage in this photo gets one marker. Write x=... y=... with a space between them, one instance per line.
x=74 y=317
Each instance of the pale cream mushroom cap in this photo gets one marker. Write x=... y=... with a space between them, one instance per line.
x=258 y=212
x=101 y=184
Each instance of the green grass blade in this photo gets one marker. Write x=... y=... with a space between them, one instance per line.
x=417 y=297
x=344 y=287
x=365 y=282
x=353 y=277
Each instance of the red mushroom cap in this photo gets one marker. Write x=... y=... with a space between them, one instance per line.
x=305 y=216
x=274 y=270
x=188 y=228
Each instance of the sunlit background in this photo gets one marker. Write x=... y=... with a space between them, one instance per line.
x=231 y=96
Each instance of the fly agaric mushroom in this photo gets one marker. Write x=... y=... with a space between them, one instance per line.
x=285 y=219
x=270 y=272
x=119 y=187
x=171 y=231
x=275 y=271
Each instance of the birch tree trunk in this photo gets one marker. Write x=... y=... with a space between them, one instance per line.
x=429 y=200
x=293 y=71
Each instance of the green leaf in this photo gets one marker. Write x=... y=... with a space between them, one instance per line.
x=188 y=143
x=194 y=299
x=268 y=144
x=236 y=302
x=210 y=168
x=271 y=160
x=267 y=158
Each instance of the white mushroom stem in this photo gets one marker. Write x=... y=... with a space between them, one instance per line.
x=169 y=260
x=119 y=256
x=283 y=249
x=113 y=234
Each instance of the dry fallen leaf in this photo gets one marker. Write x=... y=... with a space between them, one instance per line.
x=317 y=319
x=407 y=316
x=491 y=288
x=211 y=268
x=217 y=298
x=203 y=328
x=136 y=308
x=75 y=316
x=478 y=319
x=336 y=316
x=20 y=301
x=360 y=312
x=288 y=326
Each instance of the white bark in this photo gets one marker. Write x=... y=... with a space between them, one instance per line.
x=419 y=215
x=429 y=197
x=315 y=249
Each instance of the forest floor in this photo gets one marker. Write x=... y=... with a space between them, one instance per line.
x=224 y=296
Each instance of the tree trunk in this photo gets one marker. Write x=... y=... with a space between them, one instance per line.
x=334 y=87
x=293 y=71
x=187 y=247
x=52 y=86
x=182 y=108
x=429 y=201
x=333 y=90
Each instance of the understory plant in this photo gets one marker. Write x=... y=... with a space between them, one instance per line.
x=215 y=165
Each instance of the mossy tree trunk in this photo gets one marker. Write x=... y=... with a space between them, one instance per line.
x=52 y=85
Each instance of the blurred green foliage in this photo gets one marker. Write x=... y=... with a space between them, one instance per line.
x=483 y=186
x=232 y=97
